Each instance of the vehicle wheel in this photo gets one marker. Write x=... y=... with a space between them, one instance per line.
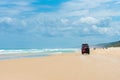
x=88 y=53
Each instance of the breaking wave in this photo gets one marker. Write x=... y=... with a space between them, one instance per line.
x=22 y=53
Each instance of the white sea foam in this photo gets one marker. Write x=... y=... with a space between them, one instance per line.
x=52 y=51
x=22 y=53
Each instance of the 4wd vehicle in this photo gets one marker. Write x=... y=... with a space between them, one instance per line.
x=85 y=49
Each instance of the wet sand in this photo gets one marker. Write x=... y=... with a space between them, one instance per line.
x=101 y=64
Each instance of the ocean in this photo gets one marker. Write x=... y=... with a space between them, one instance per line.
x=32 y=53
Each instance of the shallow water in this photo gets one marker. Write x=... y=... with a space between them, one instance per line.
x=30 y=53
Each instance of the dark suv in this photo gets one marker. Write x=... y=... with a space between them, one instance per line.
x=85 y=49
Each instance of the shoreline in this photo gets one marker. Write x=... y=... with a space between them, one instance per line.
x=39 y=55
x=33 y=53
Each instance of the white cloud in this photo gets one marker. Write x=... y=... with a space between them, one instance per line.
x=105 y=13
x=73 y=18
x=6 y=20
x=89 y=20
x=96 y=8
x=15 y=8
x=112 y=30
x=64 y=21
x=21 y=3
x=86 y=29
x=81 y=4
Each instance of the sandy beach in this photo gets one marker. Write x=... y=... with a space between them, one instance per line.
x=101 y=64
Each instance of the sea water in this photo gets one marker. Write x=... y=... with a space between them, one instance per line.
x=31 y=53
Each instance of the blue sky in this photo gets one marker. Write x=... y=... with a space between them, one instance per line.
x=58 y=23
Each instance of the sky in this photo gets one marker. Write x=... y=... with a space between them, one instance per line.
x=58 y=23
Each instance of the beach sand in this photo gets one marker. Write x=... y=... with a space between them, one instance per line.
x=101 y=64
